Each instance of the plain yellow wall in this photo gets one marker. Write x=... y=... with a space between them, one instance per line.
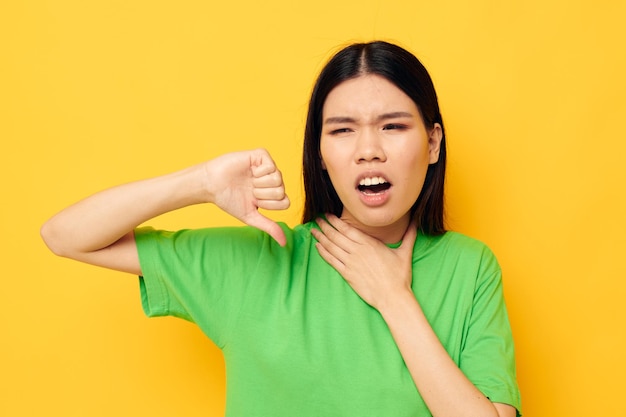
x=96 y=93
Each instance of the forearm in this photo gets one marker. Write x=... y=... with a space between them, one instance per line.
x=442 y=385
x=102 y=219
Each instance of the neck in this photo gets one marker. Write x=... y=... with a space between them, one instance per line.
x=387 y=233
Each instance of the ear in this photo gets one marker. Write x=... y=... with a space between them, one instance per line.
x=434 y=143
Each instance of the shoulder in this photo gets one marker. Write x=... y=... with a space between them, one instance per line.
x=242 y=238
x=456 y=242
x=458 y=249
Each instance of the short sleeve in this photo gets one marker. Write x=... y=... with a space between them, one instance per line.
x=198 y=275
x=488 y=357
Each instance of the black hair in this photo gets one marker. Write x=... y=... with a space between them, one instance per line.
x=404 y=70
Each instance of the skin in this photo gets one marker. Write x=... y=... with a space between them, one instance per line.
x=99 y=229
x=371 y=128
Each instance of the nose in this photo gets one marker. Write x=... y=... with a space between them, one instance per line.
x=369 y=147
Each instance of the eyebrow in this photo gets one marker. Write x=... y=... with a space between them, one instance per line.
x=385 y=116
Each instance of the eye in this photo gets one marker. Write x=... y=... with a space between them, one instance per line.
x=340 y=131
x=394 y=126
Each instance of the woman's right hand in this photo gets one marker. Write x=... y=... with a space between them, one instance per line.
x=240 y=183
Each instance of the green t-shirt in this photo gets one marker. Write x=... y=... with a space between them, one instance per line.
x=298 y=341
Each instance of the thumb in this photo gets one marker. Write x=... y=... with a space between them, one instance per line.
x=256 y=219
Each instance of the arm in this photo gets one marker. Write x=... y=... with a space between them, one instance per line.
x=99 y=229
x=438 y=379
x=382 y=277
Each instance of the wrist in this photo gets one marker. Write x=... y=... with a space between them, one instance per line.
x=209 y=179
x=187 y=187
x=399 y=306
x=203 y=185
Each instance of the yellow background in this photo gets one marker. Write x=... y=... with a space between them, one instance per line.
x=96 y=93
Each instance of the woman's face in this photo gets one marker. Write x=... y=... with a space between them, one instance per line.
x=376 y=150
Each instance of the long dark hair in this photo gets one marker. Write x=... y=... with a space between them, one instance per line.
x=404 y=70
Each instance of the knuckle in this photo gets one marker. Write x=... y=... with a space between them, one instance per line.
x=276 y=177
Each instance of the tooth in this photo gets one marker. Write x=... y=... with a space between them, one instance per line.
x=368 y=181
x=381 y=180
x=375 y=181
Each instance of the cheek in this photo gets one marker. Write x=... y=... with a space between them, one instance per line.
x=334 y=166
x=327 y=156
x=415 y=170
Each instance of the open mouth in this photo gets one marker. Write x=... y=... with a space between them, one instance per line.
x=373 y=185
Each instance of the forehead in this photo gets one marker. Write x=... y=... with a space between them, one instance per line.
x=367 y=95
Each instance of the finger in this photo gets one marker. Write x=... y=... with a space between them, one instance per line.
x=327 y=238
x=321 y=237
x=281 y=204
x=271 y=179
x=330 y=252
x=329 y=258
x=256 y=219
x=275 y=193
x=261 y=163
x=335 y=236
x=350 y=232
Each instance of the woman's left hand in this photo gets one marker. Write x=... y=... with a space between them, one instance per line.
x=377 y=273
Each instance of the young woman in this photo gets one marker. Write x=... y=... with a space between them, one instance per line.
x=370 y=307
